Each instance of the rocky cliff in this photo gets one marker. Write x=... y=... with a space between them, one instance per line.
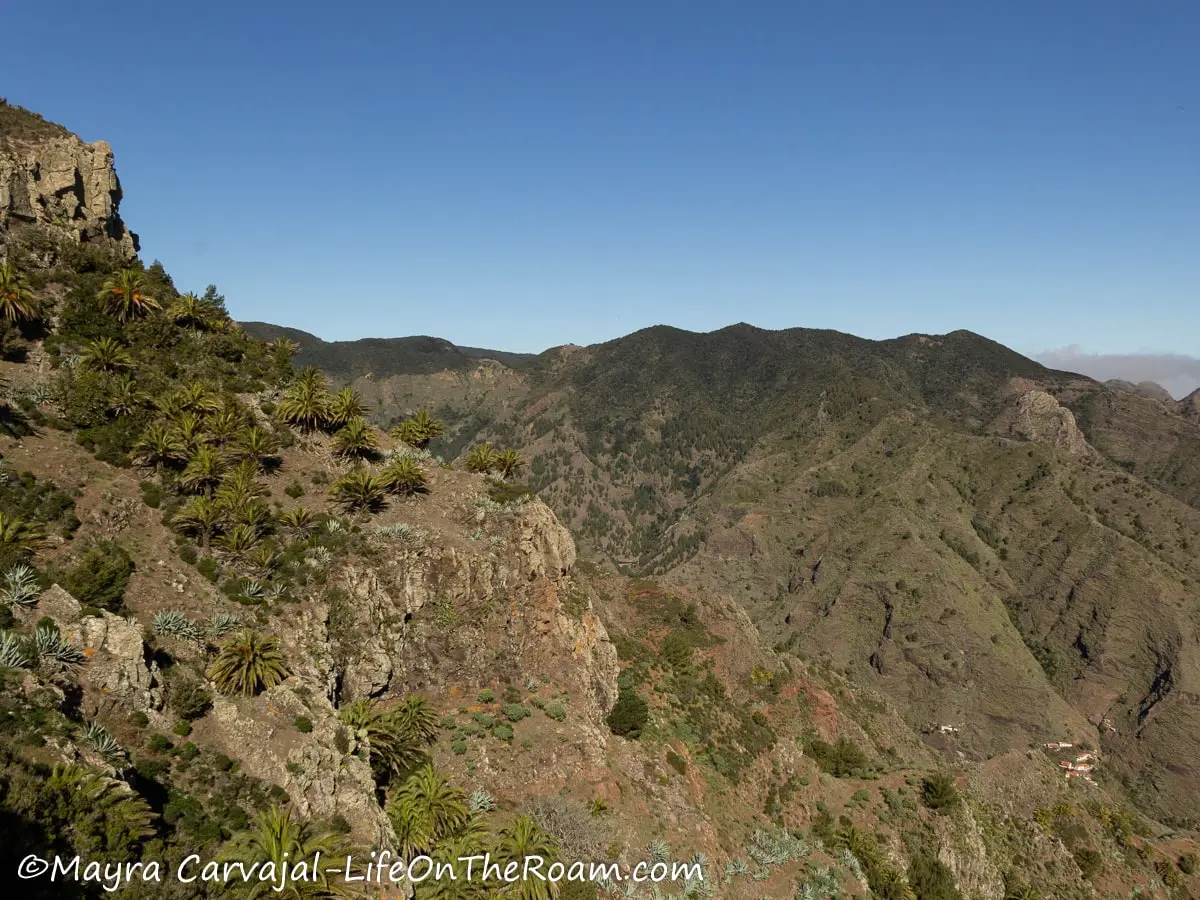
x=52 y=184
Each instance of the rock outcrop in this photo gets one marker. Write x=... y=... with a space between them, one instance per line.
x=53 y=182
x=116 y=661
x=1040 y=418
x=439 y=614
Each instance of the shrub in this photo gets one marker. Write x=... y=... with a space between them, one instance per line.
x=139 y=719
x=303 y=724
x=160 y=742
x=101 y=576
x=188 y=554
x=841 y=759
x=1089 y=862
x=486 y=696
x=295 y=489
x=629 y=715
x=459 y=747
x=503 y=732
x=152 y=494
x=931 y=879
x=209 y=569
x=187 y=694
x=182 y=728
x=515 y=712
x=555 y=710
x=939 y=793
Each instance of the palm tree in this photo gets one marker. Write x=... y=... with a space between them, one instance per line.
x=203 y=471
x=158 y=447
x=225 y=425
x=125 y=819
x=521 y=840
x=382 y=737
x=201 y=516
x=425 y=810
x=280 y=839
x=248 y=663
x=126 y=398
x=254 y=514
x=198 y=398
x=17 y=303
x=124 y=295
x=190 y=311
x=508 y=462
x=241 y=485
x=357 y=440
x=346 y=406
x=418 y=717
x=239 y=540
x=305 y=405
x=18 y=537
x=888 y=884
x=482 y=458
x=359 y=491
x=298 y=520
x=418 y=430
x=404 y=476
x=451 y=852
x=255 y=445
x=189 y=431
x=105 y=355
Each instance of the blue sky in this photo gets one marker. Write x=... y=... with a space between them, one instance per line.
x=525 y=174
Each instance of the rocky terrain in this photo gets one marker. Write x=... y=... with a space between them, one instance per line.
x=818 y=652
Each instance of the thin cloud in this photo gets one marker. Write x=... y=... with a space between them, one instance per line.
x=1179 y=374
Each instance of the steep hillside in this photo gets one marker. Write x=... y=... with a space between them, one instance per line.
x=239 y=622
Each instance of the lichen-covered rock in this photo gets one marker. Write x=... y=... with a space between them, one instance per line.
x=1040 y=418
x=116 y=660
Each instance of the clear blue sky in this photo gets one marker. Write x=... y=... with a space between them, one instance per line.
x=525 y=174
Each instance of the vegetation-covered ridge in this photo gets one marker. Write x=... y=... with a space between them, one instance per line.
x=241 y=620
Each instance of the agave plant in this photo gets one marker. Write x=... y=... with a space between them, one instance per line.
x=482 y=458
x=20 y=586
x=397 y=531
x=222 y=624
x=318 y=557
x=14 y=651
x=335 y=526
x=98 y=738
x=481 y=801
x=253 y=590
x=177 y=625
x=54 y=652
x=41 y=394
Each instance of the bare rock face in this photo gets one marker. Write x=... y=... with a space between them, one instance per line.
x=321 y=781
x=1040 y=418
x=53 y=181
x=116 y=661
x=439 y=614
